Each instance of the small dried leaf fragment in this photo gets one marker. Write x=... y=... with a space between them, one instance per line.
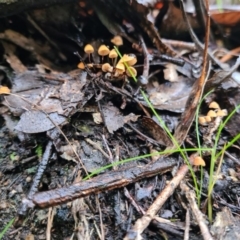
x=112 y=118
x=97 y=118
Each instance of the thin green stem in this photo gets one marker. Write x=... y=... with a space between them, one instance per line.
x=6 y=228
x=215 y=156
x=199 y=144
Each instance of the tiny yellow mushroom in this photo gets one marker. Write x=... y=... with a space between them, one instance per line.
x=131 y=72
x=212 y=113
x=88 y=49
x=81 y=65
x=106 y=67
x=103 y=50
x=214 y=105
x=117 y=41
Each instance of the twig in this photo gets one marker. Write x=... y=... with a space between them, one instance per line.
x=146 y=58
x=26 y=202
x=41 y=168
x=97 y=147
x=190 y=195
x=108 y=181
x=51 y=213
x=100 y=217
x=180 y=44
x=187 y=225
x=196 y=93
x=230 y=54
x=142 y=223
x=110 y=156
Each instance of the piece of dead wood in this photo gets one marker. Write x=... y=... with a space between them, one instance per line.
x=142 y=223
x=197 y=91
x=108 y=181
x=191 y=197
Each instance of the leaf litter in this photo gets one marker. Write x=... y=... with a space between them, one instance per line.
x=46 y=102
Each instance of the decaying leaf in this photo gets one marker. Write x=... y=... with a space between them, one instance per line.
x=37 y=121
x=114 y=119
x=44 y=100
x=171 y=96
x=155 y=131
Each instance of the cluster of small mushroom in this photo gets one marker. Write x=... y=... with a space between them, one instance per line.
x=117 y=68
x=215 y=111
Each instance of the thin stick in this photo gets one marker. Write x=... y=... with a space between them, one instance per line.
x=41 y=168
x=196 y=93
x=190 y=195
x=142 y=223
x=187 y=225
x=51 y=213
x=108 y=181
x=146 y=58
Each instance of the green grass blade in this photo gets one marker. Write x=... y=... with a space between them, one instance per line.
x=6 y=228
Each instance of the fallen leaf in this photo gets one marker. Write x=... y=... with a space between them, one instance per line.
x=37 y=121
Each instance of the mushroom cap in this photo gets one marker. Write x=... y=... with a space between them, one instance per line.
x=113 y=54
x=198 y=161
x=212 y=113
x=131 y=72
x=81 y=65
x=222 y=112
x=208 y=119
x=103 y=50
x=117 y=40
x=88 y=49
x=202 y=120
x=214 y=105
x=130 y=59
x=106 y=67
x=120 y=67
